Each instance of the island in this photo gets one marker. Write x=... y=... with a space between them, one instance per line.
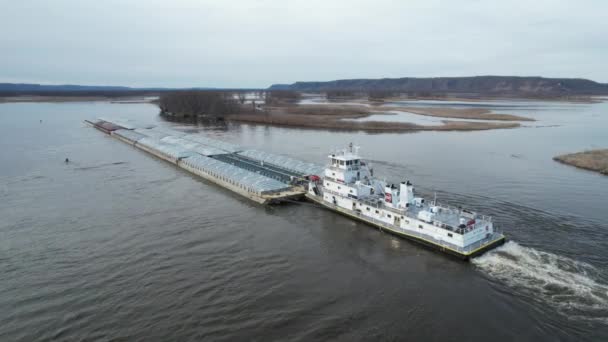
x=593 y=160
x=286 y=108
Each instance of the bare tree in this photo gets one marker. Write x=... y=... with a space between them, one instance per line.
x=198 y=103
x=242 y=97
x=278 y=97
x=338 y=93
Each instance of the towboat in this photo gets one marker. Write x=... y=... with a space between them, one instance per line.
x=349 y=187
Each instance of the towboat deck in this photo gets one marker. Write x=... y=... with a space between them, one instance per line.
x=447 y=217
x=461 y=252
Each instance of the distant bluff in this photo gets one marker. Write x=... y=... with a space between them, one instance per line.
x=484 y=85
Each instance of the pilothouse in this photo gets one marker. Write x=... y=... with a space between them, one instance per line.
x=349 y=187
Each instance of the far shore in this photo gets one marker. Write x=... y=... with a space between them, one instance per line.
x=484 y=98
x=143 y=99
x=593 y=160
x=58 y=99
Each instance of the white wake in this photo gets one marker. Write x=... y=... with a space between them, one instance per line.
x=574 y=288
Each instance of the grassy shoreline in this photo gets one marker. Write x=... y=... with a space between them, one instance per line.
x=465 y=113
x=332 y=117
x=592 y=160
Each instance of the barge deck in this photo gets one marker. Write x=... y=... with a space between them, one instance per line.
x=222 y=163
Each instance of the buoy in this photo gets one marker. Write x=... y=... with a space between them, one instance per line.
x=67 y=160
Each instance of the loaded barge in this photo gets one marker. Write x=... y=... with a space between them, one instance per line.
x=346 y=186
x=262 y=177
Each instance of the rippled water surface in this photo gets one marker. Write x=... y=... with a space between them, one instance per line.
x=118 y=245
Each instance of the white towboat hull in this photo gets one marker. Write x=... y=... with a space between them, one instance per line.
x=494 y=241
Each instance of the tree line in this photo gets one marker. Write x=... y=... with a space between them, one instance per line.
x=278 y=97
x=219 y=103
x=377 y=95
x=198 y=103
x=75 y=93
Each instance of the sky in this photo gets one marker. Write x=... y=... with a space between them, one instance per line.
x=196 y=43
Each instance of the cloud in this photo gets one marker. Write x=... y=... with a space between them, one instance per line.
x=254 y=44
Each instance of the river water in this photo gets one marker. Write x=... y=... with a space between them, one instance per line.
x=118 y=245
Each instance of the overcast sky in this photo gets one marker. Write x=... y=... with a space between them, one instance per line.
x=256 y=43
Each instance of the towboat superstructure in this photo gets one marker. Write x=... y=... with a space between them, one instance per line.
x=349 y=187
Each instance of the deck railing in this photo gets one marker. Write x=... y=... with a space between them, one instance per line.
x=460 y=210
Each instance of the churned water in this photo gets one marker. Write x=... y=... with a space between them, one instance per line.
x=574 y=288
x=119 y=246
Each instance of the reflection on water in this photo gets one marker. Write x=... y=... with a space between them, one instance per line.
x=398 y=116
